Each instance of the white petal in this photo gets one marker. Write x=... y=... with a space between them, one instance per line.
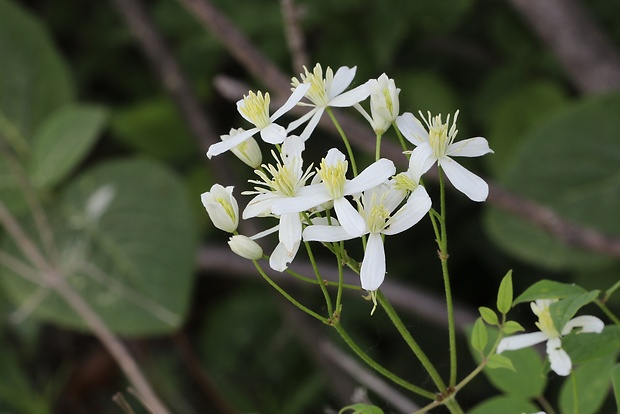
x=296 y=123
x=281 y=257
x=514 y=342
x=326 y=233
x=261 y=205
x=266 y=232
x=309 y=129
x=372 y=272
x=421 y=161
x=341 y=81
x=303 y=202
x=465 y=181
x=290 y=230
x=350 y=98
x=587 y=323
x=334 y=156
x=220 y=147
x=559 y=359
x=418 y=204
x=295 y=97
x=375 y=174
x=472 y=147
x=349 y=217
x=411 y=128
x=273 y=134
x=293 y=147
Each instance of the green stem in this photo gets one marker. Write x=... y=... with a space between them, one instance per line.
x=443 y=257
x=344 y=139
x=286 y=295
x=379 y=368
x=573 y=378
x=378 y=148
x=607 y=312
x=400 y=136
x=340 y=277
x=413 y=345
x=328 y=300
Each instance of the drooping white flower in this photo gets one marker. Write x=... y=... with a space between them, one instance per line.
x=384 y=104
x=378 y=205
x=334 y=186
x=560 y=361
x=248 y=151
x=280 y=182
x=245 y=247
x=254 y=108
x=222 y=207
x=435 y=143
x=326 y=92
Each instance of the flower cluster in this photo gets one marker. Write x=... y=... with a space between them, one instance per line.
x=332 y=202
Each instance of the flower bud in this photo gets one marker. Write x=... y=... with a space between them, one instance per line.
x=222 y=207
x=384 y=105
x=245 y=247
x=248 y=151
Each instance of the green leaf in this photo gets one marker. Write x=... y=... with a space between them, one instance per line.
x=500 y=361
x=584 y=347
x=592 y=383
x=569 y=164
x=488 y=315
x=615 y=380
x=504 y=294
x=63 y=141
x=361 y=409
x=479 y=335
x=565 y=309
x=35 y=80
x=511 y=327
x=504 y=405
x=548 y=289
x=154 y=128
x=126 y=244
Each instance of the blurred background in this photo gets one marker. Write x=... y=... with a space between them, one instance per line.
x=108 y=107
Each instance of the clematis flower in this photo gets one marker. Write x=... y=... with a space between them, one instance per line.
x=378 y=205
x=254 y=108
x=560 y=361
x=222 y=207
x=279 y=182
x=248 y=151
x=384 y=104
x=334 y=187
x=245 y=247
x=435 y=143
x=326 y=92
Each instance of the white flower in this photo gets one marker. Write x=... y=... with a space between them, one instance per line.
x=334 y=187
x=326 y=92
x=378 y=204
x=255 y=109
x=280 y=182
x=248 y=151
x=245 y=247
x=437 y=145
x=281 y=257
x=222 y=207
x=384 y=104
x=559 y=359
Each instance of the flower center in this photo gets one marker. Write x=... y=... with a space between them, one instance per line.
x=319 y=86
x=403 y=182
x=256 y=108
x=440 y=135
x=545 y=323
x=334 y=177
x=286 y=178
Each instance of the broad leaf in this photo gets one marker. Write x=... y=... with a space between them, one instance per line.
x=504 y=405
x=584 y=347
x=569 y=164
x=565 y=309
x=615 y=380
x=592 y=383
x=126 y=245
x=63 y=141
x=548 y=289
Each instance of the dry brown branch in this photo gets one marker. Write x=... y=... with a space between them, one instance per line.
x=590 y=59
x=294 y=34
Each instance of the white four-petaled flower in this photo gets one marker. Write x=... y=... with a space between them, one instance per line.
x=435 y=143
x=560 y=361
x=255 y=109
x=378 y=205
x=326 y=92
